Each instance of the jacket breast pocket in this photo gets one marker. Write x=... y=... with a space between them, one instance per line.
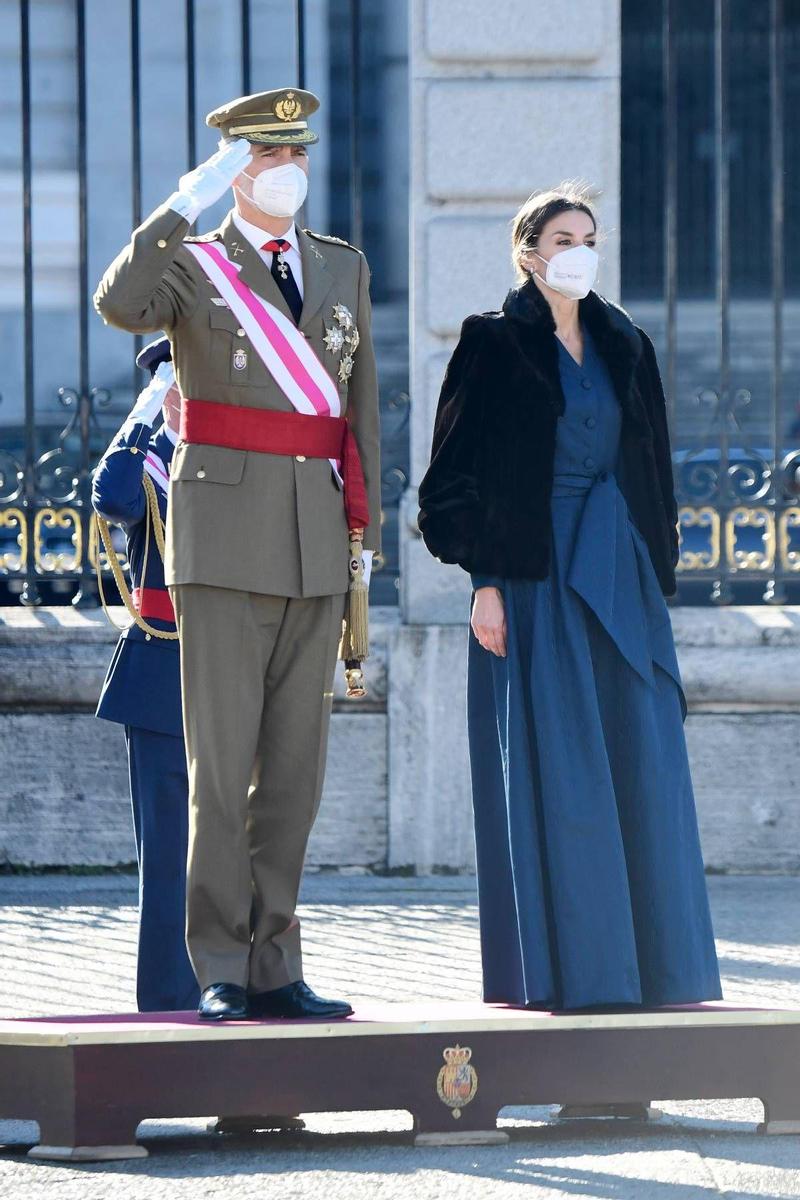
x=231 y=352
x=207 y=464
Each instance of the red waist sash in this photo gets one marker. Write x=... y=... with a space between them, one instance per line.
x=267 y=431
x=153 y=603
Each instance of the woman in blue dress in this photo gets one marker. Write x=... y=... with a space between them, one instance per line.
x=551 y=483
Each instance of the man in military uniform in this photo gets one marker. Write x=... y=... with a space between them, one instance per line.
x=142 y=688
x=278 y=465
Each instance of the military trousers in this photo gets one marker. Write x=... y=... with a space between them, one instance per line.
x=157 y=765
x=257 y=678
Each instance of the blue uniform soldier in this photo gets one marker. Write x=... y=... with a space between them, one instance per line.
x=142 y=689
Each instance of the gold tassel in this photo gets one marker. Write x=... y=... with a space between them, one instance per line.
x=355 y=635
x=99 y=530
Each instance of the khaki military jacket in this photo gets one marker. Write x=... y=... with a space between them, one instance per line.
x=240 y=519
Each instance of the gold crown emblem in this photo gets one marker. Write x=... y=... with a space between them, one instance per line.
x=455 y=1056
x=288 y=107
x=457 y=1081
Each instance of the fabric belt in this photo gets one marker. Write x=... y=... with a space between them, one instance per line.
x=153 y=603
x=268 y=431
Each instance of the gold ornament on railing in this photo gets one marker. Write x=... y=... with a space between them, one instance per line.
x=14 y=518
x=53 y=562
x=705 y=517
x=744 y=517
x=789 y=520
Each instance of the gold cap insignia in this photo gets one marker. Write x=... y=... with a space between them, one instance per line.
x=288 y=107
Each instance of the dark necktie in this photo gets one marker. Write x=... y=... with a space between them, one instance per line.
x=282 y=274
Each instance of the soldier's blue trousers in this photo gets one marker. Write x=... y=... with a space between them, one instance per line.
x=159 y=791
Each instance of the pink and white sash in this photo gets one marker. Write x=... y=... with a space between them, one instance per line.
x=157 y=470
x=284 y=351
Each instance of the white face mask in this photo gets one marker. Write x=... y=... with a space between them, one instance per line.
x=572 y=272
x=278 y=191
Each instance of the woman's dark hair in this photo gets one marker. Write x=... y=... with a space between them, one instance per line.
x=535 y=213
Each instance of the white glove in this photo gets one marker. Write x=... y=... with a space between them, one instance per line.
x=150 y=399
x=203 y=186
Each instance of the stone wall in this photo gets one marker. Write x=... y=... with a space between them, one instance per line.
x=64 y=790
x=406 y=805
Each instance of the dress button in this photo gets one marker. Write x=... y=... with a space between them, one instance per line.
x=588 y=463
x=300 y=458
x=240 y=333
x=162 y=245
x=590 y=422
x=201 y=474
x=586 y=383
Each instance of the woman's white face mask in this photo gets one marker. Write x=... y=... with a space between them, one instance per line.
x=571 y=272
x=278 y=191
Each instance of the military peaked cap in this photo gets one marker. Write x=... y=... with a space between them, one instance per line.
x=277 y=118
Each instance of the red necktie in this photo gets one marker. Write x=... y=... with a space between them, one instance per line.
x=277 y=246
x=282 y=274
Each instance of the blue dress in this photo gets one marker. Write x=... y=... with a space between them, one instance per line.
x=590 y=877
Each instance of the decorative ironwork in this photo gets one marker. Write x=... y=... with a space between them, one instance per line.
x=742 y=555
x=789 y=547
x=733 y=493
x=707 y=557
x=55 y=560
x=737 y=457
x=13 y=519
x=45 y=476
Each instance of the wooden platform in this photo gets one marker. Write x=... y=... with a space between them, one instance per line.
x=89 y=1081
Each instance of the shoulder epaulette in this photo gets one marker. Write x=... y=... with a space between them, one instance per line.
x=203 y=237
x=328 y=237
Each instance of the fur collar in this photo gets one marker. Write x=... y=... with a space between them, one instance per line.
x=532 y=328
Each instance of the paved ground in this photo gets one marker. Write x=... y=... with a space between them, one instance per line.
x=67 y=944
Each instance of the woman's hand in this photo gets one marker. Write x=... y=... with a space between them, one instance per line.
x=489 y=620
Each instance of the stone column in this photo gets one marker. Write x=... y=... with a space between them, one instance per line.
x=503 y=103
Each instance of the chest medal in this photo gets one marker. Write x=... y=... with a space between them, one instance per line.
x=342 y=338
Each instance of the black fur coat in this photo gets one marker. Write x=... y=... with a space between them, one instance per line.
x=485 y=498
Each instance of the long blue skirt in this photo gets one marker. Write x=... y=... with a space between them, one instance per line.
x=590 y=876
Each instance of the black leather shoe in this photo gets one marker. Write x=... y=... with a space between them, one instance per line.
x=223 y=1002
x=296 y=1002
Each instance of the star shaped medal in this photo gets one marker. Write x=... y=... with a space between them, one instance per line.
x=334 y=338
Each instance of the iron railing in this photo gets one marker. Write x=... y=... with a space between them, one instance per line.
x=721 y=331
x=46 y=466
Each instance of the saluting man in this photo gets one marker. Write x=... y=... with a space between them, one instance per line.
x=275 y=478
x=142 y=689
